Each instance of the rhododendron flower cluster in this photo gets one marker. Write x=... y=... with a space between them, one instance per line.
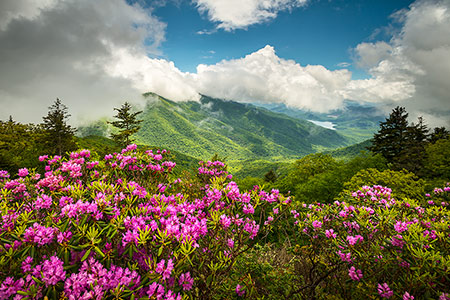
x=124 y=227
x=399 y=245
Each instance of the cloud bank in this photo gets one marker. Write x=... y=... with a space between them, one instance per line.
x=94 y=55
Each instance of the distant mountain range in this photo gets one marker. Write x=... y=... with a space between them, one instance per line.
x=240 y=131
x=357 y=122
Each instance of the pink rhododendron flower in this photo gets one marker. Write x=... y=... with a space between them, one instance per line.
x=23 y=172
x=398 y=241
x=186 y=281
x=444 y=296
x=355 y=274
x=384 y=291
x=345 y=256
x=239 y=290
x=316 y=224
x=400 y=226
x=352 y=240
x=329 y=233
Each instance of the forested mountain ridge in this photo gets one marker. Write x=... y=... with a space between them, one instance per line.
x=231 y=129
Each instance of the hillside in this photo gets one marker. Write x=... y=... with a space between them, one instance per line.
x=349 y=152
x=230 y=129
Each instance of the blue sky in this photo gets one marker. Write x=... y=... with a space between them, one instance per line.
x=307 y=54
x=321 y=32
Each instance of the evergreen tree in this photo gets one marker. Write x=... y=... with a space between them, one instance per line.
x=391 y=140
x=270 y=176
x=127 y=123
x=59 y=137
x=438 y=133
x=413 y=154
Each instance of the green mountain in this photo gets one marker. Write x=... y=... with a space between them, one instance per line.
x=230 y=129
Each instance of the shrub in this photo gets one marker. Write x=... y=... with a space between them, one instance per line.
x=370 y=244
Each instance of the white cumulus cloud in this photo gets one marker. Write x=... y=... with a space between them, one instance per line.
x=263 y=76
x=239 y=14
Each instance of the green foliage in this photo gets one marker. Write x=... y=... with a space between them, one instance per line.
x=98 y=144
x=270 y=176
x=412 y=155
x=258 y=167
x=404 y=145
x=404 y=184
x=249 y=182
x=320 y=178
x=437 y=162
x=349 y=152
x=127 y=123
x=305 y=168
x=58 y=136
x=438 y=134
x=266 y=272
x=20 y=145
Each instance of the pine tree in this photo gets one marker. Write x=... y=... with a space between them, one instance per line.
x=391 y=140
x=127 y=123
x=438 y=133
x=59 y=137
x=413 y=154
x=270 y=176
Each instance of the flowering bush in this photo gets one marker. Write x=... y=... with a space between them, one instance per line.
x=371 y=244
x=122 y=227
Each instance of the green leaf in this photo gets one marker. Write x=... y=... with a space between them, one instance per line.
x=99 y=252
x=85 y=256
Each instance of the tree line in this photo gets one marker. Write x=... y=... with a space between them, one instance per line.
x=20 y=144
